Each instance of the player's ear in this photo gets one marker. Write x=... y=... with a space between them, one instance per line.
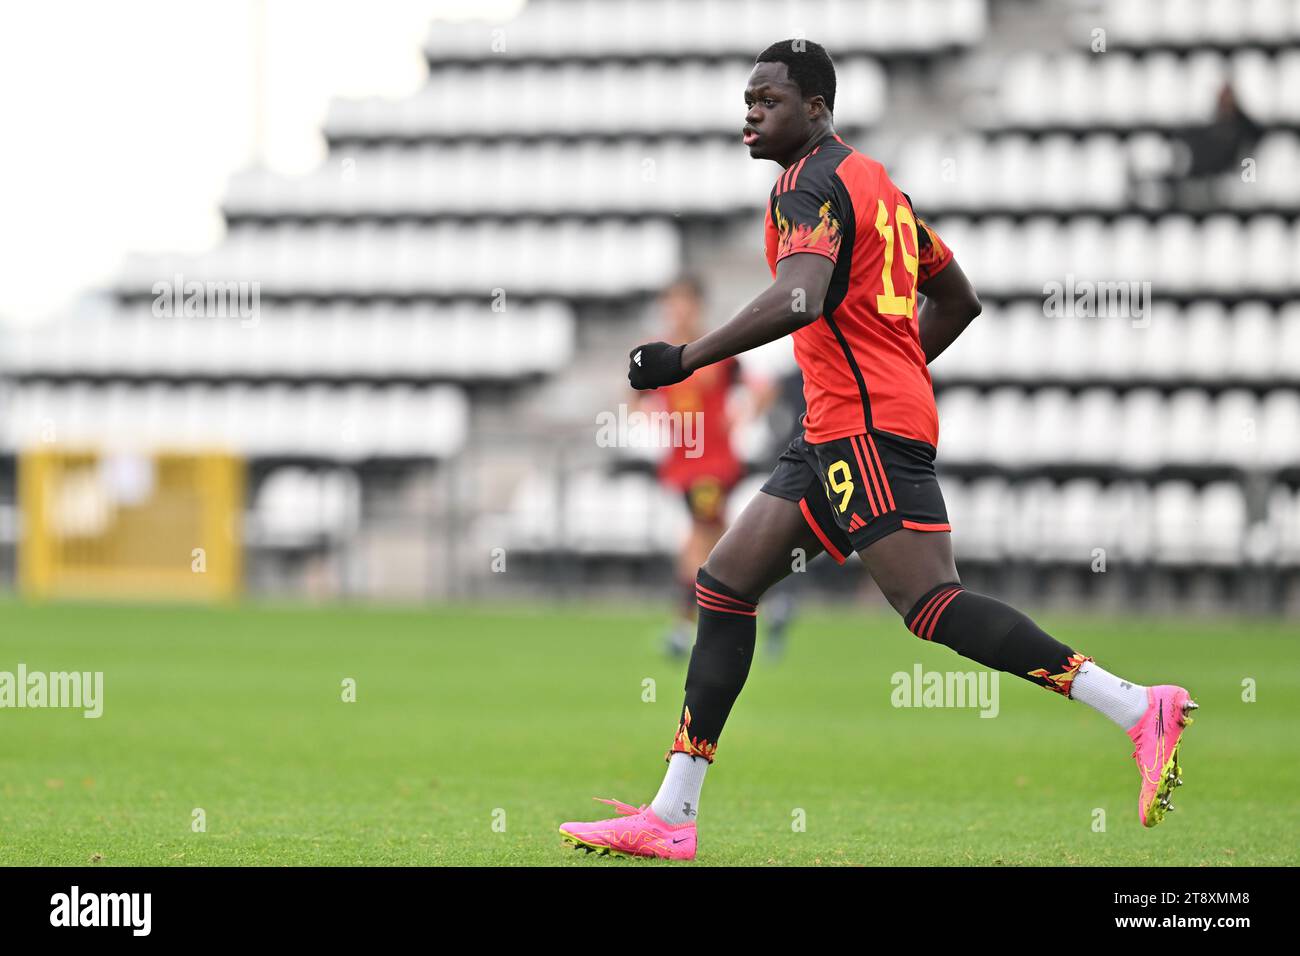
x=816 y=106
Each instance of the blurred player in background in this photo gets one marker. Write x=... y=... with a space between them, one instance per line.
x=705 y=472
x=1204 y=152
x=848 y=257
x=780 y=400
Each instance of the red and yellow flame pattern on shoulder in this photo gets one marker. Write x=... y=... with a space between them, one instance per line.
x=1060 y=682
x=823 y=237
x=684 y=743
x=934 y=255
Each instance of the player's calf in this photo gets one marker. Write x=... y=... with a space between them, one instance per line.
x=993 y=634
x=1003 y=638
x=719 y=666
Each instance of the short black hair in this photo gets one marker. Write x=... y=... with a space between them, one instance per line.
x=809 y=65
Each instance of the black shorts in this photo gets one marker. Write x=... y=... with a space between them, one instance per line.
x=706 y=499
x=853 y=491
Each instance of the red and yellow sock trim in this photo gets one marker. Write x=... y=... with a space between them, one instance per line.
x=684 y=743
x=1060 y=682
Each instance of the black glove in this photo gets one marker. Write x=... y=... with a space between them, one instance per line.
x=656 y=364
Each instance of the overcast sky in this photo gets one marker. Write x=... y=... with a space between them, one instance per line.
x=124 y=120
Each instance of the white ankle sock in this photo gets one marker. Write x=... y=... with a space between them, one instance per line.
x=1120 y=700
x=679 y=795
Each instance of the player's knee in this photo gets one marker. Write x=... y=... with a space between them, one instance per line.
x=726 y=564
x=900 y=597
x=718 y=571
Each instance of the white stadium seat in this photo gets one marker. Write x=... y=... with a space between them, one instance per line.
x=265 y=420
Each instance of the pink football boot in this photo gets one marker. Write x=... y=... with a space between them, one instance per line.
x=1156 y=739
x=636 y=832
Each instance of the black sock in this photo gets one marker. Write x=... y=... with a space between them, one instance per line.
x=724 y=649
x=994 y=634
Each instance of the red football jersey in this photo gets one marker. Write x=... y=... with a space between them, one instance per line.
x=706 y=392
x=862 y=362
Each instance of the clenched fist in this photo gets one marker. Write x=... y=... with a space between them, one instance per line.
x=655 y=364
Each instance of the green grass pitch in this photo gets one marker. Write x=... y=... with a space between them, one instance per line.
x=477 y=731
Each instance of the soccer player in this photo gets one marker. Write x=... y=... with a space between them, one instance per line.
x=848 y=257
x=705 y=471
x=783 y=403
